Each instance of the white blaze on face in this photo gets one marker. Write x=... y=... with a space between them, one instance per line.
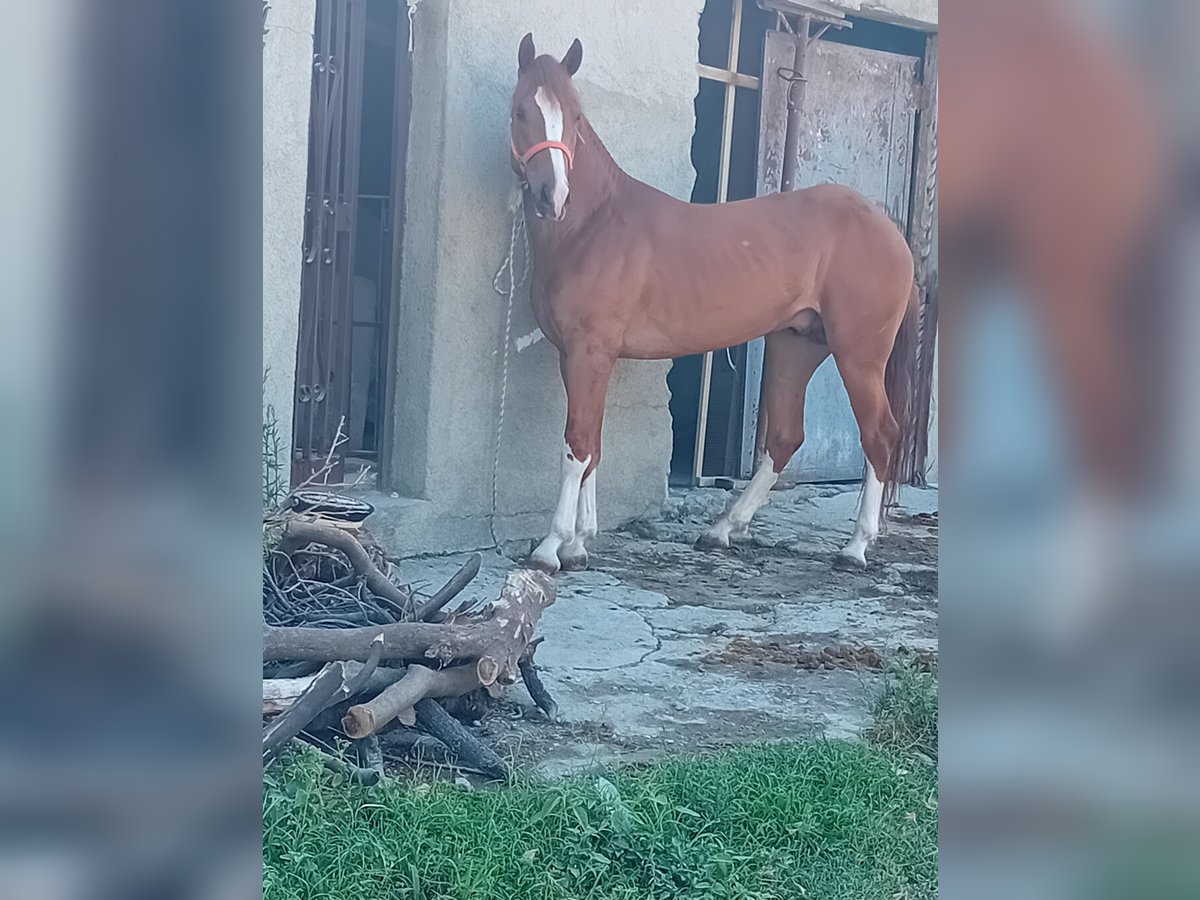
x=553 y=117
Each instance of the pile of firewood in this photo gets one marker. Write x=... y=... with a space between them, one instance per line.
x=348 y=652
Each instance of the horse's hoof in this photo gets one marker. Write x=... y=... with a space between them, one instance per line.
x=848 y=562
x=549 y=565
x=575 y=562
x=710 y=541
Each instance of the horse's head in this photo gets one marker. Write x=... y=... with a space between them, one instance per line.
x=546 y=115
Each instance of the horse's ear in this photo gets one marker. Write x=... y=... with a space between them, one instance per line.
x=573 y=58
x=526 y=53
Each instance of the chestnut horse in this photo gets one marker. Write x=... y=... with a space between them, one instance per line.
x=624 y=271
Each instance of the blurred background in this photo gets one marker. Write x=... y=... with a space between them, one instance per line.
x=1069 y=223
x=130 y=387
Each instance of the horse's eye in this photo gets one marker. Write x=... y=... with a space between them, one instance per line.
x=520 y=114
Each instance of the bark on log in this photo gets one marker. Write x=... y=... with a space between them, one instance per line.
x=495 y=644
x=424 y=749
x=332 y=683
x=533 y=683
x=419 y=682
x=299 y=533
x=450 y=589
x=419 y=746
x=468 y=751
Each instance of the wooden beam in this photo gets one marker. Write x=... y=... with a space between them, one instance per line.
x=737 y=79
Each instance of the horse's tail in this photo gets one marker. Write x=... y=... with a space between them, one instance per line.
x=901 y=380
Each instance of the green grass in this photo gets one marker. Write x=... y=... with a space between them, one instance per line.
x=828 y=820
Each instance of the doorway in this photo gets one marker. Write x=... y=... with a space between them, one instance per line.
x=358 y=135
x=714 y=396
x=724 y=150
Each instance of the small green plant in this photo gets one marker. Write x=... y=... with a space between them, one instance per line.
x=273 y=455
x=906 y=714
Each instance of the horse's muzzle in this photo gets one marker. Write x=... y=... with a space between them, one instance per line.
x=543 y=204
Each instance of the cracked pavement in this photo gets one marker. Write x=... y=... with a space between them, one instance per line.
x=629 y=644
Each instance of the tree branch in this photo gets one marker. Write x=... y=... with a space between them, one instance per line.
x=496 y=644
x=419 y=682
x=298 y=533
x=450 y=589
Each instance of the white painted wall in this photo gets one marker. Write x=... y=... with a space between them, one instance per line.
x=287 y=74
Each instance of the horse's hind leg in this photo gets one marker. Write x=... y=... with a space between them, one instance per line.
x=880 y=436
x=789 y=361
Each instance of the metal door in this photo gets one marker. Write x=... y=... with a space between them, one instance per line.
x=331 y=208
x=358 y=131
x=857 y=128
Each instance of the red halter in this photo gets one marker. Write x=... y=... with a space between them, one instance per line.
x=524 y=158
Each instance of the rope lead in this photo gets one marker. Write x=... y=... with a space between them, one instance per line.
x=515 y=279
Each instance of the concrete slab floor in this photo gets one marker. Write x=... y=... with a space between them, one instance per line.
x=659 y=647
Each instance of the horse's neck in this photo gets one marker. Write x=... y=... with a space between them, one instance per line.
x=595 y=177
x=596 y=180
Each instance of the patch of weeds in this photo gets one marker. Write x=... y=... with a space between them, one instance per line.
x=830 y=819
x=906 y=714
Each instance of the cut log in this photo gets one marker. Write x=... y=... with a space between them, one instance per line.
x=304 y=709
x=494 y=644
x=421 y=747
x=332 y=684
x=469 y=752
x=425 y=749
x=279 y=693
x=397 y=701
x=299 y=533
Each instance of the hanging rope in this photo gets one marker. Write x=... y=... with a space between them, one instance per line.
x=508 y=280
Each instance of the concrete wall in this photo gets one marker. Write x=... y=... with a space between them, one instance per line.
x=912 y=13
x=287 y=74
x=638 y=82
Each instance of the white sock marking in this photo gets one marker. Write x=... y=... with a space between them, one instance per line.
x=866 y=528
x=553 y=117
x=585 y=521
x=562 y=527
x=737 y=518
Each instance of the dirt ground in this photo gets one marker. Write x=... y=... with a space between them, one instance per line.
x=659 y=647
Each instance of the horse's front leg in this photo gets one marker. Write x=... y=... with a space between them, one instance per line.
x=585 y=375
x=573 y=555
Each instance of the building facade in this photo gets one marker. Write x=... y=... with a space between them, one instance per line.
x=403 y=251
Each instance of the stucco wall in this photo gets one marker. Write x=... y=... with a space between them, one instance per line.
x=287 y=73
x=638 y=83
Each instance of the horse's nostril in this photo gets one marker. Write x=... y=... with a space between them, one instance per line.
x=547 y=195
